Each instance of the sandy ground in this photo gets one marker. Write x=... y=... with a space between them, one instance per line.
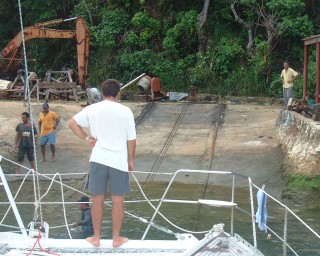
x=72 y=154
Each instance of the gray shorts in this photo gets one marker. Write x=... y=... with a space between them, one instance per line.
x=100 y=175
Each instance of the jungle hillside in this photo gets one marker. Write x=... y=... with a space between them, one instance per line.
x=225 y=47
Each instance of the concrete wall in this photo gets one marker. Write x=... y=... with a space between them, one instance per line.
x=299 y=138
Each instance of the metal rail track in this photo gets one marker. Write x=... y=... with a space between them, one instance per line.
x=198 y=215
x=145 y=110
x=162 y=154
x=214 y=139
x=167 y=144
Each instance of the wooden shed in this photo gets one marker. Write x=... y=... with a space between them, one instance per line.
x=313 y=40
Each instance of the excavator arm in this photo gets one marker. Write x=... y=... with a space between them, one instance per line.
x=83 y=38
x=81 y=34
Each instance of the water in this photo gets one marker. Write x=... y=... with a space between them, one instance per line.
x=190 y=217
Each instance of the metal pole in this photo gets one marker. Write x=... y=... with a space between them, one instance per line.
x=73 y=18
x=131 y=82
x=12 y=202
x=160 y=203
x=285 y=232
x=232 y=200
x=253 y=216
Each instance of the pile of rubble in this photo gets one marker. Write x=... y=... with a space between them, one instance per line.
x=7 y=151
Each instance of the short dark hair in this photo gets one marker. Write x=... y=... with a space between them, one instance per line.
x=287 y=62
x=84 y=200
x=26 y=114
x=45 y=105
x=110 y=87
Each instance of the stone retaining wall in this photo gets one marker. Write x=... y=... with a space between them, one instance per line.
x=299 y=138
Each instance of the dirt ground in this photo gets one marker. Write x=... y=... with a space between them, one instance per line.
x=72 y=154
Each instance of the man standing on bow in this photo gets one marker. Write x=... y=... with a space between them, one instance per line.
x=48 y=122
x=113 y=143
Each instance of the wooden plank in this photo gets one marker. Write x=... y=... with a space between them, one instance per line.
x=53 y=85
x=312 y=40
x=34 y=87
x=59 y=72
x=60 y=91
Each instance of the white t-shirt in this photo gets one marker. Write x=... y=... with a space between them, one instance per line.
x=112 y=125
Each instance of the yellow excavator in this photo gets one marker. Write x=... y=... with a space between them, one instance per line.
x=10 y=63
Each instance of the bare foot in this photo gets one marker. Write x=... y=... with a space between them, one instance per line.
x=53 y=160
x=121 y=240
x=43 y=160
x=94 y=241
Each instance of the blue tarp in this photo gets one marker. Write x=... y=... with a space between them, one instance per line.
x=262 y=214
x=176 y=96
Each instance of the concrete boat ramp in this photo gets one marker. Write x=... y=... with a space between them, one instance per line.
x=174 y=136
x=182 y=135
x=223 y=137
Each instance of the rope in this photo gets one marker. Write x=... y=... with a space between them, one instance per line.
x=5 y=215
x=24 y=52
x=14 y=227
x=62 y=185
x=177 y=227
x=37 y=203
x=157 y=173
x=27 y=92
x=61 y=226
x=63 y=202
x=38 y=242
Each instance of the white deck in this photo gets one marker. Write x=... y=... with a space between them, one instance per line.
x=217 y=243
x=15 y=244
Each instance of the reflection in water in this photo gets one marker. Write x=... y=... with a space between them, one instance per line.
x=192 y=217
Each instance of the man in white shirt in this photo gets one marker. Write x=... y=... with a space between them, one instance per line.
x=113 y=142
x=288 y=75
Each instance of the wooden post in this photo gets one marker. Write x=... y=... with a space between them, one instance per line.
x=75 y=95
x=305 y=72
x=38 y=92
x=318 y=74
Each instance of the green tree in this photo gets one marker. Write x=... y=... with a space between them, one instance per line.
x=181 y=39
x=239 y=49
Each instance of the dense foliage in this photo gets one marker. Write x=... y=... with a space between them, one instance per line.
x=239 y=50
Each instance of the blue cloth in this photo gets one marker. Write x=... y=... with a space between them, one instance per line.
x=262 y=215
x=51 y=138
